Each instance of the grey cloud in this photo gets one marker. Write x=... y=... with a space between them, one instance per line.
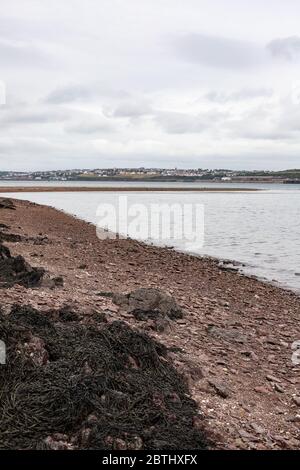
x=131 y=109
x=183 y=123
x=69 y=94
x=285 y=48
x=23 y=55
x=90 y=128
x=273 y=135
x=86 y=92
x=214 y=51
x=240 y=95
x=13 y=117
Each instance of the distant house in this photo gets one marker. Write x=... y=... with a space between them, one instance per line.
x=226 y=178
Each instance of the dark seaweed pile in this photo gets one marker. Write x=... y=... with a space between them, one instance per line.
x=76 y=386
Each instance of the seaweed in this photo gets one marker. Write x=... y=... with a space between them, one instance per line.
x=67 y=385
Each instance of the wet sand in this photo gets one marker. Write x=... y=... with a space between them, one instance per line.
x=234 y=344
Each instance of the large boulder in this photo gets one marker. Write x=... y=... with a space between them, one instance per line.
x=149 y=303
x=15 y=270
x=7 y=204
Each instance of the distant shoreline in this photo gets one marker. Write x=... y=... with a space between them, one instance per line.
x=57 y=189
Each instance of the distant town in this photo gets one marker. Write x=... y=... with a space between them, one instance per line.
x=154 y=174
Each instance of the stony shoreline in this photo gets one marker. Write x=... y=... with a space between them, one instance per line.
x=233 y=344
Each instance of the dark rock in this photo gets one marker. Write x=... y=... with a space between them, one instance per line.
x=15 y=270
x=120 y=299
x=221 y=389
x=106 y=294
x=296 y=400
x=7 y=204
x=58 y=281
x=143 y=315
x=10 y=237
x=153 y=301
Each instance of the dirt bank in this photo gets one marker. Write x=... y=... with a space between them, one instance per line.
x=233 y=342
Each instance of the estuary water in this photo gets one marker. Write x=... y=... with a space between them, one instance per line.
x=260 y=230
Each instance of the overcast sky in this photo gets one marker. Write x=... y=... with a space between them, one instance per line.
x=164 y=83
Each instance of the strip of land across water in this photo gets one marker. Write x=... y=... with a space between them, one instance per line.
x=233 y=344
x=55 y=189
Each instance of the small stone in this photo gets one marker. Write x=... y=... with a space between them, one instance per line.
x=246 y=435
x=278 y=388
x=258 y=429
x=295 y=419
x=262 y=390
x=271 y=378
x=221 y=389
x=296 y=400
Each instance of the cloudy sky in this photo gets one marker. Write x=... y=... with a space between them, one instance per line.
x=164 y=83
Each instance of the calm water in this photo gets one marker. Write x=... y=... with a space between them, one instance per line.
x=258 y=229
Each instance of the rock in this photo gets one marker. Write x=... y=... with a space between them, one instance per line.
x=295 y=419
x=121 y=300
x=250 y=354
x=221 y=389
x=271 y=378
x=58 y=281
x=278 y=388
x=258 y=429
x=245 y=435
x=150 y=303
x=150 y=298
x=162 y=324
x=262 y=390
x=109 y=295
x=7 y=204
x=143 y=315
x=296 y=400
x=15 y=270
x=228 y=334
